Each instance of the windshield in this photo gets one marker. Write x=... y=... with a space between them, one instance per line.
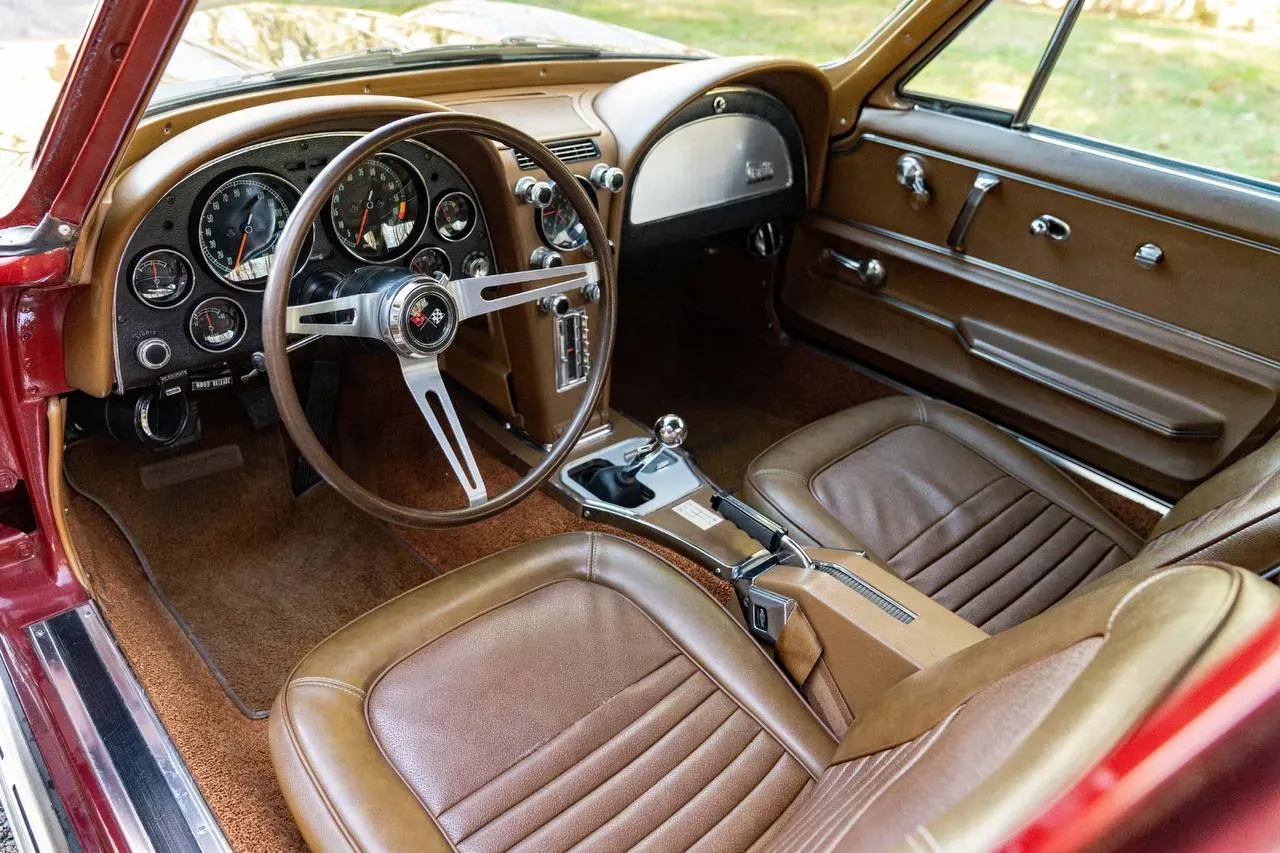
x=229 y=43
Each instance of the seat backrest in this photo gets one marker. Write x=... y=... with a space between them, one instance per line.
x=1234 y=516
x=965 y=752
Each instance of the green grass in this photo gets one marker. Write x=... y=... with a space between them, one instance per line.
x=1206 y=96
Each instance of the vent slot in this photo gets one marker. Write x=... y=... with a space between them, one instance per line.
x=569 y=151
x=867 y=591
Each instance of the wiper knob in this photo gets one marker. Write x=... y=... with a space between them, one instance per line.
x=538 y=193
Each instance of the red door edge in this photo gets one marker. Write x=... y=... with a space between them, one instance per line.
x=1201 y=773
x=107 y=89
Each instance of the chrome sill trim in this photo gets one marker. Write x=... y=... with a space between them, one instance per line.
x=1080 y=194
x=1093 y=475
x=26 y=796
x=195 y=811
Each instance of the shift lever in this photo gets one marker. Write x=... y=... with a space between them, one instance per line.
x=668 y=432
x=618 y=483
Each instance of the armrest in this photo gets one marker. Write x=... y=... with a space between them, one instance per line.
x=868 y=649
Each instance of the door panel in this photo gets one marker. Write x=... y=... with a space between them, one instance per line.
x=1159 y=375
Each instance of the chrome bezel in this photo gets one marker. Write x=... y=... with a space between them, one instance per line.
x=191 y=277
x=415 y=239
x=448 y=262
x=244 y=326
x=475 y=206
x=303 y=256
x=590 y=190
x=393 y=317
x=492 y=264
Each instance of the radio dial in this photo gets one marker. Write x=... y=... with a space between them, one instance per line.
x=608 y=177
x=535 y=192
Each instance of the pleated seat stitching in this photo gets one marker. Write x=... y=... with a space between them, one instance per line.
x=549 y=741
x=971 y=534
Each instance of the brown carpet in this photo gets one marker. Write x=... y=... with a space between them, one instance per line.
x=259 y=576
x=384 y=442
x=738 y=395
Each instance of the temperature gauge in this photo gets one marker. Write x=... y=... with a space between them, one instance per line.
x=161 y=278
x=217 y=324
x=455 y=216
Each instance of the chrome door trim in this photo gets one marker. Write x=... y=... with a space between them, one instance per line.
x=926 y=151
x=1093 y=475
x=1058 y=289
x=1048 y=61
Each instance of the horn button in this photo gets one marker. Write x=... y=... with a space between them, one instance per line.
x=421 y=319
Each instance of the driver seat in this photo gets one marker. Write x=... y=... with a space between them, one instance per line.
x=580 y=692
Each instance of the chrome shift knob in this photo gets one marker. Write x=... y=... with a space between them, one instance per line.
x=670 y=430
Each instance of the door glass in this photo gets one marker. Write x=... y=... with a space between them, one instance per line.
x=38 y=41
x=1197 y=83
x=990 y=63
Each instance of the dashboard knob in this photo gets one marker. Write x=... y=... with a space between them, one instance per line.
x=153 y=353
x=591 y=292
x=556 y=306
x=544 y=258
x=476 y=266
x=538 y=193
x=608 y=177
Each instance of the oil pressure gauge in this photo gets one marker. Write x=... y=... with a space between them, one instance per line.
x=161 y=278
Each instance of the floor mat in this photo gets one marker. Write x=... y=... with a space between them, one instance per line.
x=256 y=575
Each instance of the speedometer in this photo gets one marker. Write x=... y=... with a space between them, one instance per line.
x=240 y=225
x=377 y=208
x=559 y=224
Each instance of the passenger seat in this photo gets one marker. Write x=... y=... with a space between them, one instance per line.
x=972 y=518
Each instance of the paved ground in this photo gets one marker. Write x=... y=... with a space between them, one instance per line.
x=7 y=844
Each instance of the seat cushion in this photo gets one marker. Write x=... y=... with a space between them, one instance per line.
x=947 y=501
x=577 y=690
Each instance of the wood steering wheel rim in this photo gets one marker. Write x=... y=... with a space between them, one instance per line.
x=276 y=295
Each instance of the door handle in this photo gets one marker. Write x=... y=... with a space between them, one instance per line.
x=870 y=273
x=984 y=183
x=911 y=177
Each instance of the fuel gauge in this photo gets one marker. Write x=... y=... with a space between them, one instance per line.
x=161 y=278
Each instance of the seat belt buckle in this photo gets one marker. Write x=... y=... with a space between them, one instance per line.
x=767 y=613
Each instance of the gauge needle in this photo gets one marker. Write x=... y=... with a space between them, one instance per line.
x=364 y=217
x=243 y=237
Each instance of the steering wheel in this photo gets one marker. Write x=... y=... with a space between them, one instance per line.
x=417 y=315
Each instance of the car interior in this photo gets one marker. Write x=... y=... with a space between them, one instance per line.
x=724 y=454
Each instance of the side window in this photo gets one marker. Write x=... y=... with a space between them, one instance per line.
x=990 y=63
x=1205 y=94
x=1195 y=83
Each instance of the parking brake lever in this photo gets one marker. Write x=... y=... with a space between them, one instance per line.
x=771 y=536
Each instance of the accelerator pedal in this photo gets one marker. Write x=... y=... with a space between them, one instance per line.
x=321 y=409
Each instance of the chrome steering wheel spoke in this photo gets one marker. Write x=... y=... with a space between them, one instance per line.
x=426 y=382
x=358 y=317
x=469 y=292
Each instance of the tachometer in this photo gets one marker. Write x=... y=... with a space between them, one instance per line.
x=376 y=209
x=559 y=224
x=217 y=324
x=240 y=225
x=455 y=216
x=161 y=278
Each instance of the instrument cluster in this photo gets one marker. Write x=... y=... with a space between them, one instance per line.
x=188 y=297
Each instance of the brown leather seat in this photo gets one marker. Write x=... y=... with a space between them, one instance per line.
x=580 y=692
x=975 y=520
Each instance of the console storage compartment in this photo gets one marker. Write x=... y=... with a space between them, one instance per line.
x=875 y=628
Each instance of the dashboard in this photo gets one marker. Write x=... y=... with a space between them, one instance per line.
x=189 y=285
x=174 y=260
